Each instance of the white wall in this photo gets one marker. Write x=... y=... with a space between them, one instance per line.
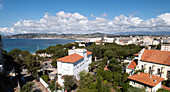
x=159 y=85
x=165 y=47
x=147 y=88
x=73 y=68
x=44 y=84
x=155 y=68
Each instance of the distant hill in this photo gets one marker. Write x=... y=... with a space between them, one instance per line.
x=78 y=36
x=145 y=33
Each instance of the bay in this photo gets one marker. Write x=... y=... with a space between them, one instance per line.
x=32 y=44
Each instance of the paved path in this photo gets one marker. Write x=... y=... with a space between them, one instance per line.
x=39 y=86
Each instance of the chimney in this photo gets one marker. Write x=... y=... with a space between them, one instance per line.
x=138 y=73
x=73 y=47
x=154 y=80
x=150 y=76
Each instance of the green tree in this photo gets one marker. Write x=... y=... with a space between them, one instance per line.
x=110 y=54
x=86 y=80
x=134 y=89
x=52 y=86
x=99 y=83
x=54 y=63
x=162 y=90
x=28 y=87
x=69 y=82
x=138 y=71
x=105 y=60
x=45 y=77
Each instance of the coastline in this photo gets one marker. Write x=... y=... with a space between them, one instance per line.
x=33 y=45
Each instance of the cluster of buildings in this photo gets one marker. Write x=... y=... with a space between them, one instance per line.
x=156 y=67
x=138 y=40
x=154 y=63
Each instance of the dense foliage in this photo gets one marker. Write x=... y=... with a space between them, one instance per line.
x=45 y=77
x=28 y=87
x=69 y=82
x=54 y=86
x=97 y=79
x=112 y=50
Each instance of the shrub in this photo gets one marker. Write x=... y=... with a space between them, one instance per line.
x=45 y=77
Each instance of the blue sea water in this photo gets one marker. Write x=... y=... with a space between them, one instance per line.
x=32 y=44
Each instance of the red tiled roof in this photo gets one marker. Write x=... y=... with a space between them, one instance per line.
x=168 y=88
x=136 y=54
x=105 y=68
x=156 y=56
x=132 y=65
x=88 y=52
x=145 y=79
x=70 y=58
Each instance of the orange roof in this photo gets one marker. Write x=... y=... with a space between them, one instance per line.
x=70 y=58
x=168 y=88
x=88 y=52
x=145 y=79
x=132 y=65
x=156 y=56
x=136 y=54
x=106 y=67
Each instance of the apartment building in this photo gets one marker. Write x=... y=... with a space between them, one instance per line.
x=155 y=62
x=165 y=47
x=76 y=61
x=146 y=81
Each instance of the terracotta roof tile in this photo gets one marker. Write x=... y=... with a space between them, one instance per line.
x=132 y=65
x=88 y=52
x=105 y=68
x=70 y=58
x=156 y=56
x=136 y=54
x=168 y=88
x=145 y=79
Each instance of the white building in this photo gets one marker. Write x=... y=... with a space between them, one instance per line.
x=155 y=42
x=147 y=41
x=76 y=61
x=108 y=40
x=165 y=47
x=146 y=81
x=45 y=55
x=125 y=41
x=155 y=62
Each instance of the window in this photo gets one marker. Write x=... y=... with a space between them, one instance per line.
x=168 y=75
x=142 y=67
x=158 y=71
x=149 y=70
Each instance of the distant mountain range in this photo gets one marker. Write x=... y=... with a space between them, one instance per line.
x=145 y=33
x=78 y=36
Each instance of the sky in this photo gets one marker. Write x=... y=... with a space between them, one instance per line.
x=83 y=16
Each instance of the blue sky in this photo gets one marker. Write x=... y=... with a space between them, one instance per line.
x=12 y=11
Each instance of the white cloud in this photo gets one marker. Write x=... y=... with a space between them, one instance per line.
x=78 y=24
x=104 y=15
x=1 y=6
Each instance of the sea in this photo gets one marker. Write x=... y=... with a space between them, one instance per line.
x=32 y=45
